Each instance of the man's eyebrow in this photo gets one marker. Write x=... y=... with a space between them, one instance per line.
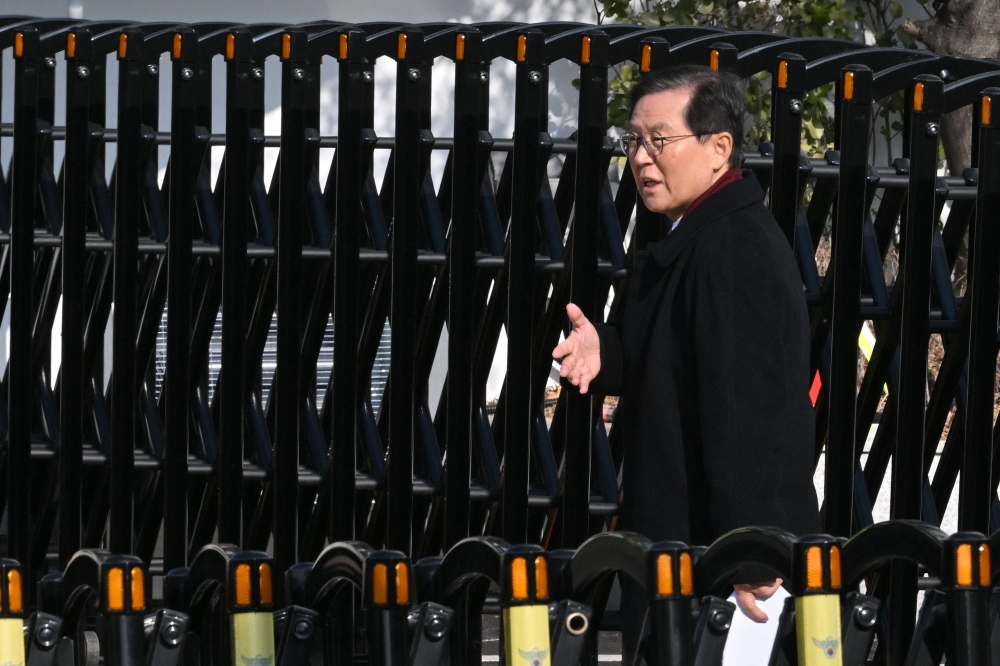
x=652 y=128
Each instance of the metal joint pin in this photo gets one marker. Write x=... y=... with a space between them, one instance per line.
x=82 y=72
x=298 y=74
x=795 y=106
x=303 y=629
x=413 y=74
x=46 y=636
x=945 y=74
x=186 y=74
x=50 y=63
x=933 y=129
x=152 y=70
x=257 y=74
x=865 y=617
x=483 y=77
x=719 y=622
x=367 y=77
x=534 y=77
x=171 y=634
x=435 y=627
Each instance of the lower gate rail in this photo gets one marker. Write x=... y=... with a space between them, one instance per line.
x=359 y=605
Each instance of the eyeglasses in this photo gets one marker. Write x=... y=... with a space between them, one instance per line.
x=653 y=144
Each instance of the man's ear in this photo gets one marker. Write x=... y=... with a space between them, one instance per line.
x=722 y=148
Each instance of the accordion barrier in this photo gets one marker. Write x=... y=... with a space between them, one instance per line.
x=356 y=505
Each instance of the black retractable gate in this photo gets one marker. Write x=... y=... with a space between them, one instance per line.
x=266 y=462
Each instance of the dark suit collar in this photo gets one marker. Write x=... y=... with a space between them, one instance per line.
x=733 y=197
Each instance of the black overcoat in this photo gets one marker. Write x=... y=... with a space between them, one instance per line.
x=711 y=354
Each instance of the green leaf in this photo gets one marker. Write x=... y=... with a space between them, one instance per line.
x=895 y=9
x=706 y=8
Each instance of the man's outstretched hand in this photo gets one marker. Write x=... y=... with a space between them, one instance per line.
x=748 y=594
x=580 y=352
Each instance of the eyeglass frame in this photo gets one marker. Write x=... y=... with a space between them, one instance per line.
x=648 y=143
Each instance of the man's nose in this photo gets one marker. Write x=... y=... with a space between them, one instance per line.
x=642 y=155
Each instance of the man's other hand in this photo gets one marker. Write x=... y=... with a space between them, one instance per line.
x=747 y=595
x=580 y=352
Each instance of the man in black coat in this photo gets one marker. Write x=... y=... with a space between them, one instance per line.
x=712 y=347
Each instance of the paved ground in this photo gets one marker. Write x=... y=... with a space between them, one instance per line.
x=609 y=643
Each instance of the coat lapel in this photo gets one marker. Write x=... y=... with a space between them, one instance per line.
x=731 y=198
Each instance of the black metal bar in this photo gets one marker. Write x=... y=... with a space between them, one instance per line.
x=24 y=175
x=72 y=380
x=292 y=191
x=855 y=123
x=407 y=180
x=908 y=469
x=467 y=176
x=520 y=265
x=591 y=169
x=241 y=77
x=355 y=75
x=975 y=490
x=128 y=211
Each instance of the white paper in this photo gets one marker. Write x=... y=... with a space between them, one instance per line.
x=749 y=642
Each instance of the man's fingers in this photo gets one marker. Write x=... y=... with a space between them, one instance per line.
x=748 y=602
x=575 y=315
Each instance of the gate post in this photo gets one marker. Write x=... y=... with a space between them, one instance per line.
x=355 y=76
x=20 y=389
x=520 y=265
x=468 y=154
x=855 y=123
x=407 y=180
x=908 y=476
x=975 y=488
x=591 y=169
x=242 y=75
x=76 y=197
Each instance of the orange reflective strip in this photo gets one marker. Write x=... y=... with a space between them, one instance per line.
x=713 y=60
x=963 y=565
x=664 y=575
x=71 y=45
x=266 y=589
x=401 y=46
x=116 y=589
x=835 y=567
x=178 y=41
x=380 y=585
x=519 y=578
x=230 y=46
x=343 y=46
x=687 y=578
x=522 y=48
x=585 y=51
x=814 y=568
x=848 y=85
x=646 y=56
x=243 y=585
x=18 y=45
x=984 y=119
x=918 y=97
x=15 y=602
x=985 y=573
x=138 y=589
x=123 y=45
x=402 y=584
x=541 y=578
x=286 y=46
x=782 y=74
x=460 y=47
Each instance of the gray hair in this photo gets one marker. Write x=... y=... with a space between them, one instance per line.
x=718 y=101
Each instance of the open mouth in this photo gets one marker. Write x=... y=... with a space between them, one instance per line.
x=649 y=184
